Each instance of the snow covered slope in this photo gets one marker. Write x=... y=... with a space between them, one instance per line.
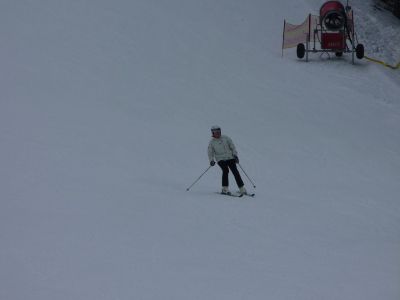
x=105 y=113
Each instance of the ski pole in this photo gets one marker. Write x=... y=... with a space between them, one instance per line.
x=198 y=178
x=254 y=186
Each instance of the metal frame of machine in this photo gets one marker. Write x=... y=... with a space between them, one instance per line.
x=334 y=30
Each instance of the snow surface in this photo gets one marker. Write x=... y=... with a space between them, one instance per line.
x=105 y=113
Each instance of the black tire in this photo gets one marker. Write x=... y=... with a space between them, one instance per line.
x=339 y=54
x=360 y=51
x=301 y=50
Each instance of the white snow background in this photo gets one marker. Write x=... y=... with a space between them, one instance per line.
x=105 y=116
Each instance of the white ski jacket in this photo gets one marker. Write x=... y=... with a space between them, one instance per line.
x=221 y=149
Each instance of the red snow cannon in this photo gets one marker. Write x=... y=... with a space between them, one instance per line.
x=333 y=20
x=331 y=32
x=332 y=15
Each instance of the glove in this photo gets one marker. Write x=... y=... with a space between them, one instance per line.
x=236 y=159
x=212 y=163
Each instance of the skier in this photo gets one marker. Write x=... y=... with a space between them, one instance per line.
x=222 y=149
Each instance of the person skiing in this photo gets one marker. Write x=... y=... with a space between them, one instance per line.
x=222 y=150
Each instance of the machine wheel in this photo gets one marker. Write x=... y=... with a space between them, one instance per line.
x=360 y=51
x=301 y=50
x=339 y=54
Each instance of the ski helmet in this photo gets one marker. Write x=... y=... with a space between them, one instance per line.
x=215 y=128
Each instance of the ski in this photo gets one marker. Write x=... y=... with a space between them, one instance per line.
x=231 y=194
x=250 y=195
x=246 y=194
x=238 y=195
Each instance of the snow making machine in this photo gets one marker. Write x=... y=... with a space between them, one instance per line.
x=333 y=30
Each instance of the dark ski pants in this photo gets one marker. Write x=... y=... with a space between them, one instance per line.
x=225 y=166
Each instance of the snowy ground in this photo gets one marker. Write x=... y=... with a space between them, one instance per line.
x=105 y=113
x=380 y=28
